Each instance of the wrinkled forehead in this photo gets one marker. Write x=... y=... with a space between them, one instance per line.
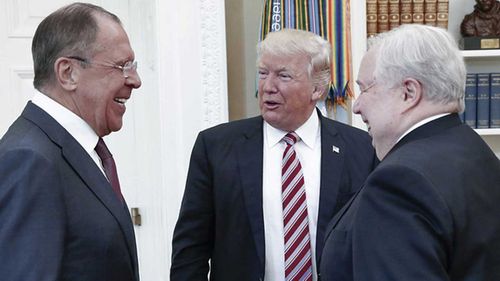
x=368 y=65
x=296 y=63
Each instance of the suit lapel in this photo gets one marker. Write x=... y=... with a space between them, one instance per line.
x=86 y=168
x=99 y=185
x=332 y=163
x=250 y=157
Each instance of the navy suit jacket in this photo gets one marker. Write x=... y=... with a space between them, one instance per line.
x=221 y=217
x=430 y=211
x=59 y=218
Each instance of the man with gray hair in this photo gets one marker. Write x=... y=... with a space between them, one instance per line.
x=261 y=191
x=62 y=214
x=429 y=211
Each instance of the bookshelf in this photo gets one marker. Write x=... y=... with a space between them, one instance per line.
x=477 y=61
x=488 y=132
x=472 y=54
x=485 y=61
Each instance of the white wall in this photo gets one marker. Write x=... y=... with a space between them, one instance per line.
x=186 y=56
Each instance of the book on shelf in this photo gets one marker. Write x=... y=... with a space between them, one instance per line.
x=382 y=16
x=495 y=100
x=483 y=100
x=430 y=12
x=418 y=11
x=406 y=11
x=471 y=99
x=442 y=13
x=393 y=14
x=371 y=18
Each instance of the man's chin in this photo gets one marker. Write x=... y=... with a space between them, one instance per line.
x=273 y=120
x=115 y=127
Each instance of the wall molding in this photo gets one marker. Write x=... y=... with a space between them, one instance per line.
x=213 y=62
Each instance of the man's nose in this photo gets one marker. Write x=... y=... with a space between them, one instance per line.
x=269 y=85
x=133 y=80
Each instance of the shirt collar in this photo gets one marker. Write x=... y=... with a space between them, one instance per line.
x=308 y=132
x=418 y=124
x=75 y=125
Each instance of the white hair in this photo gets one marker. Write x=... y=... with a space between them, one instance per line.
x=428 y=54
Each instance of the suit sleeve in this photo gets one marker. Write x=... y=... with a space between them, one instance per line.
x=402 y=230
x=193 y=235
x=31 y=218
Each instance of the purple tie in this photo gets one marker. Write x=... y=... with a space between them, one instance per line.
x=109 y=167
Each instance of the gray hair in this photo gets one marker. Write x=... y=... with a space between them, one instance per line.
x=291 y=42
x=71 y=30
x=427 y=54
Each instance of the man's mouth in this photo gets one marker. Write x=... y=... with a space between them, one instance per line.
x=120 y=100
x=271 y=105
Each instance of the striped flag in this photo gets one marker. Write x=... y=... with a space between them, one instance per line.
x=327 y=18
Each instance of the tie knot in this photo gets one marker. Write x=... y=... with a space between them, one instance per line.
x=291 y=138
x=102 y=150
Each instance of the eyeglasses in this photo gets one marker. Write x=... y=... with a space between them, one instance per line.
x=372 y=84
x=130 y=67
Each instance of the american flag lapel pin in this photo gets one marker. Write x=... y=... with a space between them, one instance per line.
x=335 y=149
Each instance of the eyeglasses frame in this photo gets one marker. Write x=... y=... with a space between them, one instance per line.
x=125 y=69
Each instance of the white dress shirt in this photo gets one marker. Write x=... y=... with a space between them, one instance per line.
x=309 y=153
x=76 y=126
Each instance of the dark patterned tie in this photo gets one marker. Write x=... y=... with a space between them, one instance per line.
x=109 y=167
x=298 y=264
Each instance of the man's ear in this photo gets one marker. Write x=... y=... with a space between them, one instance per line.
x=412 y=93
x=66 y=73
x=317 y=93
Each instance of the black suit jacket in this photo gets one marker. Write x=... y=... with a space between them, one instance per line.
x=221 y=216
x=59 y=217
x=430 y=211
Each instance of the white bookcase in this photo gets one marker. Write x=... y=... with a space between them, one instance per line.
x=477 y=61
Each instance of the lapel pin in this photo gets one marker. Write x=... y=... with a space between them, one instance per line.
x=335 y=149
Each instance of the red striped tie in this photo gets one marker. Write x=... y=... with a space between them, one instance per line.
x=298 y=264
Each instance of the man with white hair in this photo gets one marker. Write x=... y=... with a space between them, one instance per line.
x=429 y=211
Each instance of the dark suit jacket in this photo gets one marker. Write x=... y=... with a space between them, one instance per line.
x=221 y=215
x=59 y=218
x=430 y=211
